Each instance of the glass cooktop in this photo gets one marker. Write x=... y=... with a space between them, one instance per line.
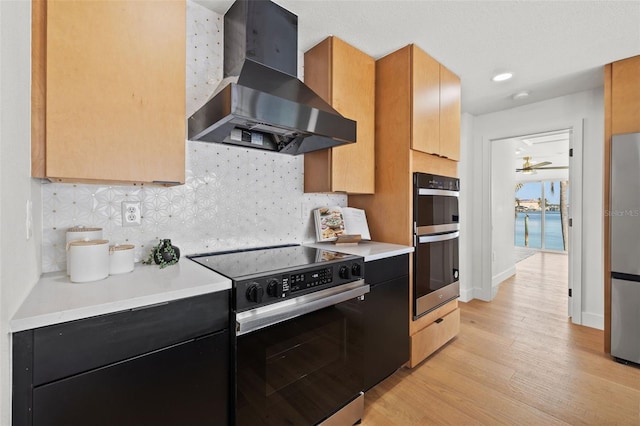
x=241 y=264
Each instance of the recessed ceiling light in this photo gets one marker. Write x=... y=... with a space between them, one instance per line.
x=521 y=95
x=502 y=76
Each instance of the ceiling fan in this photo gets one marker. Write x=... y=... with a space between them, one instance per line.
x=527 y=167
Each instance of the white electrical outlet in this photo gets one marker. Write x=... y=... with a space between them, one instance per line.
x=131 y=213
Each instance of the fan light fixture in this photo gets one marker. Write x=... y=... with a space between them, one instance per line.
x=502 y=76
x=526 y=167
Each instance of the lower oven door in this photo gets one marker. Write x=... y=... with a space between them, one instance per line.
x=300 y=363
x=435 y=271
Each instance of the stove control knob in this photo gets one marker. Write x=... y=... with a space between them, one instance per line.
x=254 y=293
x=344 y=272
x=272 y=288
x=356 y=270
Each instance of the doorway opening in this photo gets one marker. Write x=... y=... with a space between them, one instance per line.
x=533 y=177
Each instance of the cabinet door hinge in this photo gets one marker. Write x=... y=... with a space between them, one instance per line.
x=569 y=292
x=570 y=221
x=570 y=152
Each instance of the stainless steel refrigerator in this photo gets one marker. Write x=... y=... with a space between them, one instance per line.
x=625 y=247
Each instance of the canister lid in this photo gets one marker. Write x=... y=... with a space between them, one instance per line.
x=88 y=242
x=119 y=247
x=83 y=229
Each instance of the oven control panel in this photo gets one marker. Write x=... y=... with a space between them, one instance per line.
x=305 y=280
x=260 y=291
x=429 y=181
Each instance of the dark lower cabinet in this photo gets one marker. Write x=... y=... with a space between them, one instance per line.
x=162 y=365
x=386 y=318
x=181 y=385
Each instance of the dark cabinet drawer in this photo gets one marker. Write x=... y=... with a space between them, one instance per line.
x=74 y=347
x=381 y=270
x=185 y=384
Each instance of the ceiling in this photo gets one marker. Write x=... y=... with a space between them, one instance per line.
x=549 y=146
x=553 y=48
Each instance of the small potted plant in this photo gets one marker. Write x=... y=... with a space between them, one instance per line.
x=163 y=254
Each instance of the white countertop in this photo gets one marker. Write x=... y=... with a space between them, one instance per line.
x=55 y=299
x=370 y=250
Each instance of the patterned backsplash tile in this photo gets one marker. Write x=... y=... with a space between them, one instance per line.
x=232 y=198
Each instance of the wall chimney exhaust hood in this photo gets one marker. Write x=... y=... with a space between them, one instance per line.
x=260 y=103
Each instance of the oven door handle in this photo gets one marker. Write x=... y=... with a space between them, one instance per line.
x=439 y=237
x=264 y=316
x=441 y=192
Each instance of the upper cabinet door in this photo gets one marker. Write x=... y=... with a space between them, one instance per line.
x=115 y=91
x=625 y=96
x=354 y=92
x=345 y=78
x=449 y=114
x=425 y=117
x=436 y=107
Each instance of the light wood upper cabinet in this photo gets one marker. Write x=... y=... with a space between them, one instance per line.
x=110 y=77
x=625 y=96
x=425 y=101
x=435 y=106
x=345 y=78
x=449 y=114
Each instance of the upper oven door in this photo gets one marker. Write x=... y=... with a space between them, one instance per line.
x=301 y=370
x=435 y=210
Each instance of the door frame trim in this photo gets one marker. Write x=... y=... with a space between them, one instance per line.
x=487 y=291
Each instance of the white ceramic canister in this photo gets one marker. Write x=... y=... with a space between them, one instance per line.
x=121 y=259
x=88 y=260
x=81 y=233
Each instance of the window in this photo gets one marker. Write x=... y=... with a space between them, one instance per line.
x=541 y=210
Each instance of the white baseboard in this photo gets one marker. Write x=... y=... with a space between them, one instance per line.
x=507 y=273
x=466 y=294
x=497 y=279
x=593 y=320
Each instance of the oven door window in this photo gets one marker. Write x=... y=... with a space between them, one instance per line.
x=435 y=210
x=436 y=266
x=300 y=371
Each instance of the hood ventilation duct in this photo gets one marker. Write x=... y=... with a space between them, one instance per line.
x=260 y=103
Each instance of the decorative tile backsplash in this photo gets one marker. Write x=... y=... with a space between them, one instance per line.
x=232 y=198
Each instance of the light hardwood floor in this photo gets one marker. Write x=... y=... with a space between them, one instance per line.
x=518 y=360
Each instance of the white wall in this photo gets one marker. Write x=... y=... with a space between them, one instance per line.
x=465 y=167
x=559 y=113
x=20 y=258
x=503 y=182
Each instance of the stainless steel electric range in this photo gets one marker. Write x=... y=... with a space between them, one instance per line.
x=299 y=333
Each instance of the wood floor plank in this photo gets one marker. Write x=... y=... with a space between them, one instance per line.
x=517 y=360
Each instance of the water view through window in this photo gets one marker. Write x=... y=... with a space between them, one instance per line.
x=541 y=210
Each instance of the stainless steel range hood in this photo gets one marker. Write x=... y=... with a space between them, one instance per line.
x=266 y=106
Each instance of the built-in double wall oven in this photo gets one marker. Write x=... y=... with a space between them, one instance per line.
x=436 y=231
